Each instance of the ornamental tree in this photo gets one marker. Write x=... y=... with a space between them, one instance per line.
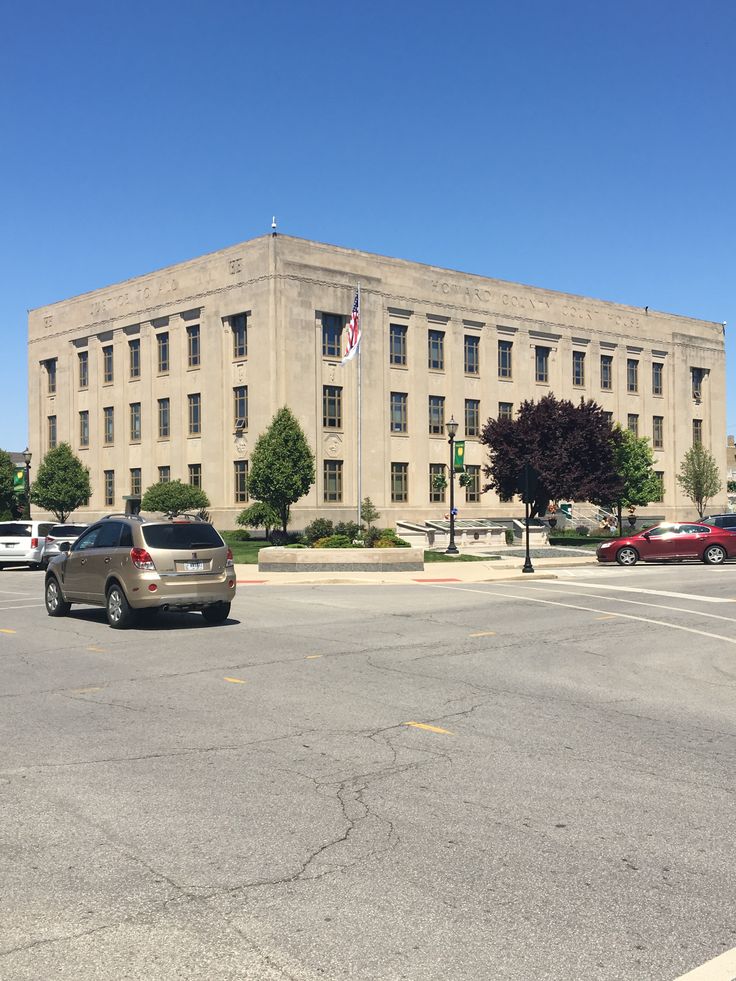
x=571 y=446
x=699 y=477
x=62 y=483
x=7 y=470
x=633 y=462
x=259 y=515
x=281 y=466
x=173 y=497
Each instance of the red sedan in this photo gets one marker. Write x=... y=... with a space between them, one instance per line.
x=671 y=541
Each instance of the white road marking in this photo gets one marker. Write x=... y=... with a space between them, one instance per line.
x=562 y=587
x=721 y=968
x=28 y=606
x=654 y=592
x=592 y=609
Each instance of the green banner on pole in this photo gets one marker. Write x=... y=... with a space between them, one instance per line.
x=19 y=480
x=459 y=455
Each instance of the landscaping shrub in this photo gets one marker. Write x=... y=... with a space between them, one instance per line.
x=582 y=530
x=371 y=536
x=351 y=529
x=239 y=535
x=509 y=533
x=334 y=541
x=319 y=528
x=389 y=539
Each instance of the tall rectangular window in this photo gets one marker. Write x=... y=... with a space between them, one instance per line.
x=108 y=424
x=135 y=422
x=51 y=376
x=472 y=489
x=162 y=348
x=505 y=410
x=332 y=329
x=436 y=415
x=109 y=487
x=658 y=432
x=399 y=483
x=164 y=475
x=164 y=420
x=578 y=368
x=607 y=372
x=505 y=364
x=399 y=412
x=84 y=428
x=194 y=409
x=240 y=407
x=472 y=354
x=240 y=473
x=472 y=417
x=52 y=431
x=697 y=431
x=659 y=474
x=134 y=357
x=397 y=344
x=332 y=474
x=195 y=474
x=135 y=481
x=239 y=328
x=437 y=489
x=696 y=376
x=108 y=373
x=632 y=423
x=83 y=366
x=632 y=375
x=193 y=347
x=657 y=381
x=541 y=364
x=332 y=407
x=608 y=416
x=436 y=350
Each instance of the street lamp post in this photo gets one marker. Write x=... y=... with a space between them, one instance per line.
x=452 y=433
x=27 y=458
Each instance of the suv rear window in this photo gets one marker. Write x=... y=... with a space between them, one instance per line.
x=16 y=528
x=181 y=537
x=64 y=531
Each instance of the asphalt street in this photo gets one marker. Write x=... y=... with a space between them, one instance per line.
x=429 y=781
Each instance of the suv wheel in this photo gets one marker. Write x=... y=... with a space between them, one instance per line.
x=119 y=612
x=216 y=613
x=56 y=605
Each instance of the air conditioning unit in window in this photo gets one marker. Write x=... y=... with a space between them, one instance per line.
x=240 y=425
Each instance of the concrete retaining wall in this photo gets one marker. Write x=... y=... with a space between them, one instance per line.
x=280 y=559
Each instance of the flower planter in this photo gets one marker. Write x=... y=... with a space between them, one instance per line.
x=279 y=559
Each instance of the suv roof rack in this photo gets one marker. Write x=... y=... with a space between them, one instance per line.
x=121 y=514
x=183 y=516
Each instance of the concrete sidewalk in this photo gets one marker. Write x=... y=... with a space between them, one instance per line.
x=490 y=571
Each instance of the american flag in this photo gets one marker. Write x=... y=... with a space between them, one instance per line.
x=352 y=341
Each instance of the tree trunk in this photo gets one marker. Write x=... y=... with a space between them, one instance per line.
x=620 y=521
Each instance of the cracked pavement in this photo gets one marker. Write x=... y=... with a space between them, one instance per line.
x=248 y=801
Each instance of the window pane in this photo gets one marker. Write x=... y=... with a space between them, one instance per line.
x=472 y=355
x=332 y=406
x=108 y=424
x=436 y=415
x=135 y=421
x=504 y=359
x=240 y=406
x=505 y=410
x=657 y=378
x=437 y=493
x=194 y=403
x=472 y=489
x=399 y=482
x=52 y=431
x=658 y=432
x=437 y=350
x=332 y=474
x=134 y=350
x=84 y=428
x=397 y=344
x=472 y=417
x=578 y=367
x=541 y=364
x=107 y=368
x=193 y=353
x=633 y=423
x=606 y=372
x=632 y=375
x=697 y=431
x=162 y=343
x=399 y=412
x=163 y=418
x=195 y=474
x=83 y=357
x=239 y=328
x=332 y=328
x=109 y=484
x=164 y=475
x=135 y=481
x=241 y=481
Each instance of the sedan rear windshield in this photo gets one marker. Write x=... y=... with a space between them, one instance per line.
x=181 y=537
x=64 y=531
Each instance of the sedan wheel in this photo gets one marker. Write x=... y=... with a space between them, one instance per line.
x=627 y=556
x=119 y=614
x=56 y=605
x=714 y=555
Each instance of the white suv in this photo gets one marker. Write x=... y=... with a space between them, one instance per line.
x=23 y=542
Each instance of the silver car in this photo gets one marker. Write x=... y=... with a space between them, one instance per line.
x=58 y=534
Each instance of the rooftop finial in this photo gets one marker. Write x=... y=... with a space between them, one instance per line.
x=273 y=225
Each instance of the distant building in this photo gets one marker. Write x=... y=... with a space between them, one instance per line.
x=176 y=373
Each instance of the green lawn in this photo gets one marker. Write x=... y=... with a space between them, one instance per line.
x=443 y=557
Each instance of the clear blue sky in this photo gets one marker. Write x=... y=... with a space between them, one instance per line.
x=581 y=146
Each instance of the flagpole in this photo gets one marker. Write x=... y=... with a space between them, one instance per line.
x=360 y=420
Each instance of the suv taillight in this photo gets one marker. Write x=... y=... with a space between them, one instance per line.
x=50 y=538
x=141 y=559
x=229 y=564
x=34 y=543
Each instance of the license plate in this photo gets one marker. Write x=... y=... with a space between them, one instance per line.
x=194 y=566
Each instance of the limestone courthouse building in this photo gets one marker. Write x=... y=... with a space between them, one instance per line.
x=175 y=374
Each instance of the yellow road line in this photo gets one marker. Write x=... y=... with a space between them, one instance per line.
x=6 y=630
x=235 y=681
x=423 y=725
x=311 y=657
x=97 y=650
x=484 y=633
x=608 y=616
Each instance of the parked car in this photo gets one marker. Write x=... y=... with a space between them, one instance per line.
x=130 y=565
x=671 y=541
x=23 y=542
x=722 y=521
x=58 y=534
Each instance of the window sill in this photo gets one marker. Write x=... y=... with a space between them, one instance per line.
x=240 y=360
x=193 y=367
x=194 y=435
x=505 y=378
x=135 y=442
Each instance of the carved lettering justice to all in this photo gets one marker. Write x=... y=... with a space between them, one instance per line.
x=112 y=305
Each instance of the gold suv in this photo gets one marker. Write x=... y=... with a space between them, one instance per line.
x=129 y=565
